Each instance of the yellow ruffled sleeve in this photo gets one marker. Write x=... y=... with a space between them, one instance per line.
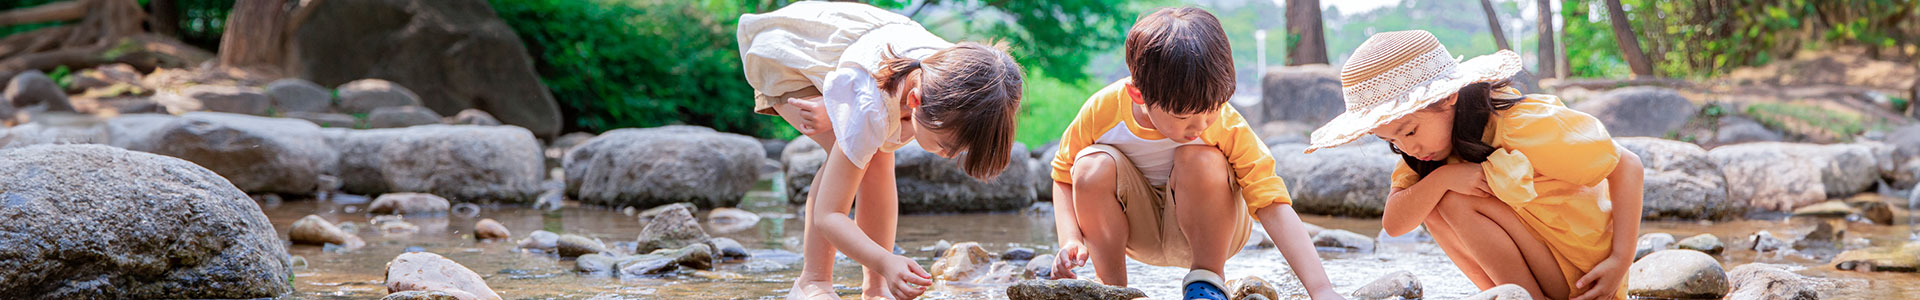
x=1540 y=140
x=1404 y=176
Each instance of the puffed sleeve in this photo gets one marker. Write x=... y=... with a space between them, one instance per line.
x=1404 y=176
x=857 y=109
x=1544 y=141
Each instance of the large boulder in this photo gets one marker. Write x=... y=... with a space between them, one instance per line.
x=33 y=88
x=93 y=221
x=663 y=165
x=1684 y=183
x=1351 y=180
x=58 y=129
x=401 y=116
x=457 y=54
x=1904 y=161
x=1784 y=176
x=259 y=154
x=802 y=159
x=1764 y=281
x=461 y=163
x=1070 y=289
x=927 y=182
x=1308 y=94
x=1640 y=111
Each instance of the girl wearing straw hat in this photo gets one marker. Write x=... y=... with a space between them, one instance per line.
x=1493 y=174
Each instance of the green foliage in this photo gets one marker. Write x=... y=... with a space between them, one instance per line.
x=201 y=22
x=1049 y=104
x=1809 y=118
x=1709 y=37
x=1061 y=36
x=62 y=76
x=1460 y=25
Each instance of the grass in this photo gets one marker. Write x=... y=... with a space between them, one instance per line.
x=1808 y=118
x=1048 y=104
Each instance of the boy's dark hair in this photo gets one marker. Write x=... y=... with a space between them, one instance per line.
x=970 y=93
x=1180 y=60
x=1472 y=109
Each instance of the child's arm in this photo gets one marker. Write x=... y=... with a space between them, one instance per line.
x=1625 y=188
x=1283 y=225
x=1408 y=207
x=1073 y=249
x=835 y=197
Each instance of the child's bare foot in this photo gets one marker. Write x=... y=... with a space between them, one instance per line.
x=804 y=289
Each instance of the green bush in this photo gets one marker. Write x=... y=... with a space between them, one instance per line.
x=1048 y=105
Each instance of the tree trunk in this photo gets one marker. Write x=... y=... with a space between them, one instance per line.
x=1493 y=23
x=1629 y=42
x=1547 y=54
x=1306 y=39
x=256 y=36
x=164 y=19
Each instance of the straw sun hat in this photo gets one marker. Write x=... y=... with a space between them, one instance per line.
x=1396 y=73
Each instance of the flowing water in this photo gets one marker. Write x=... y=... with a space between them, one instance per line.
x=358 y=274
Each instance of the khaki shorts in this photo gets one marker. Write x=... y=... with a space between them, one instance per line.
x=1154 y=237
x=764 y=104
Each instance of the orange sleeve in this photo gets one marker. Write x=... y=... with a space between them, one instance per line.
x=1096 y=116
x=1247 y=155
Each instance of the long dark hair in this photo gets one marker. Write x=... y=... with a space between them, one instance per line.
x=1471 y=111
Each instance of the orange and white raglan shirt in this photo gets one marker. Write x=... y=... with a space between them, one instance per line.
x=1107 y=119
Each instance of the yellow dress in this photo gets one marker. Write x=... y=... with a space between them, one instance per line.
x=1550 y=164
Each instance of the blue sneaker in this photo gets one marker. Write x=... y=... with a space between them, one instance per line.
x=1203 y=284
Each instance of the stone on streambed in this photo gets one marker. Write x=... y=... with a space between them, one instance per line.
x=669 y=227
x=696 y=256
x=1240 y=289
x=1764 y=241
x=1040 y=267
x=1904 y=259
x=1705 y=243
x=32 y=88
x=1764 y=281
x=1785 y=176
x=1343 y=240
x=1401 y=284
x=408 y=204
x=571 y=245
x=313 y=230
x=540 y=240
x=1677 y=274
x=1017 y=253
x=401 y=116
x=726 y=220
x=663 y=165
x=425 y=271
x=1873 y=207
x=1651 y=242
x=730 y=249
x=1690 y=184
x=1341 y=181
x=97 y=222
x=961 y=263
x=488 y=229
x=461 y=163
x=1070 y=289
x=1829 y=209
x=258 y=154
x=1502 y=292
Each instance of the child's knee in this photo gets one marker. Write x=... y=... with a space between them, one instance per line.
x=1452 y=203
x=1093 y=172
x=1202 y=164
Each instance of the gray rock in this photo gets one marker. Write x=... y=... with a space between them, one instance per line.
x=1705 y=243
x=1903 y=259
x=423 y=271
x=259 y=154
x=696 y=256
x=298 y=95
x=1070 y=289
x=474 y=117
x=1683 y=274
x=1764 y=241
x=230 y=99
x=1829 y=209
x=802 y=159
x=726 y=220
x=1739 y=130
x=488 y=229
x=663 y=165
x=366 y=95
x=136 y=131
x=1688 y=185
x=92 y=221
x=1640 y=111
x=1904 y=160
x=1308 y=94
x=669 y=227
x=596 y=264
x=570 y=245
x=1017 y=253
x=928 y=183
x=327 y=120
x=1040 y=267
x=461 y=163
x=962 y=263
x=401 y=116
x=1764 y=281
x=1400 y=284
x=313 y=230
x=730 y=249
x=1651 y=242
x=1502 y=292
x=408 y=204
x=558 y=147
x=540 y=240
x=1350 y=180
x=1784 y=176
x=58 y=130
x=1344 y=240
x=32 y=88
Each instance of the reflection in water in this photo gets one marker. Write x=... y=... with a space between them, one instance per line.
x=358 y=274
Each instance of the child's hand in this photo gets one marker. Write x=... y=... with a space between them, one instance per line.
x=1073 y=254
x=813 y=115
x=1467 y=179
x=1604 y=280
x=905 y=278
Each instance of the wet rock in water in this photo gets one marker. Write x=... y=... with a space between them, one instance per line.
x=1825 y=236
x=474 y=117
x=1873 y=207
x=325 y=120
x=663 y=165
x=1017 y=253
x=596 y=264
x=961 y=263
x=97 y=222
x=729 y=220
x=1691 y=185
x=1764 y=241
x=313 y=230
x=1640 y=111
x=401 y=116
x=730 y=249
x=394 y=225
x=928 y=183
x=1829 y=209
x=1705 y=243
x=408 y=204
x=1651 y=242
x=1070 y=289
x=1344 y=240
x=696 y=256
x=540 y=240
x=1682 y=274
x=1502 y=292
x=298 y=95
x=669 y=227
x=1341 y=181
x=31 y=88
x=938 y=248
x=425 y=271
x=1400 y=284
x=461 y=163
x=258 y=154
x=571 y=245
x=1240 y=289
x=998 y=273
x=421 y=295
x=365 y=95
x=230 y=99
x=1904 y=259
x=1785 y=176
x=1764 y=281
x=1040 y=267
x=488 y=229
